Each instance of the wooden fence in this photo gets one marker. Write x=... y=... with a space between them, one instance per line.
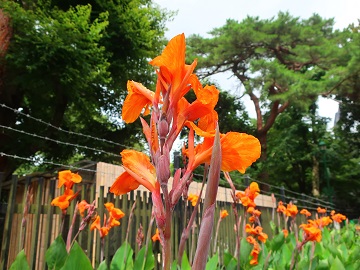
x=42 y=222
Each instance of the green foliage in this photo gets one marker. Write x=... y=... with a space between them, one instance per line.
x=20 y=262
x=56 y=254
x=122 y=259
x=77 y=259
x=68 y=63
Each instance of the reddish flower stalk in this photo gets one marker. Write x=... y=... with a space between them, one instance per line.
x=206 y=227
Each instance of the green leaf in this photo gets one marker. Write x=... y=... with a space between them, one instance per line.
x=20 y=262
x=245 y=253
x=56 y=254
x=77 y=259
x=337 y=265
x=124 y=253
x=277 y=241
x=174 y=266
x=230 y=261
x=213 y=262
x=286 y=254
x=102 y=266
x=323 y=264
x=147 y=263
x=185 y=265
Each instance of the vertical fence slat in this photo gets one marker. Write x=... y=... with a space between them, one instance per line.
x=98 y=258
x=7 y=225
x=90 y=239
x=35 y=233
x=49 y=215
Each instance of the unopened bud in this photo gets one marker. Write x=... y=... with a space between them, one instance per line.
x=163 y=169
x=163 y=128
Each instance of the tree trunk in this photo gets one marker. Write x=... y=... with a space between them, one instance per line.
x=315 y=178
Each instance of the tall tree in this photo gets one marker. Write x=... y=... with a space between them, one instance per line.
x=67 y=64
x=279 y=61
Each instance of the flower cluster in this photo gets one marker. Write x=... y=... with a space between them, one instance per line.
x=254 y=232
x=170 y=113
x=113 y=220
x=66 y=179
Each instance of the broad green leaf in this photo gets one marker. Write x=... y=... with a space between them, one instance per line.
x=185 y=265
x=323 y=264
x=245 y=249
x=102 y=266
x=77 y=259
x=286 y=254
x=319 y=250
x=212 y=262
x=230 y=261
x=354 y=254
x=56 y=254
x=174 y=266
x=277 y=242
x=143 y=263
x=20 y=262
x=122 y=255
x=337 y=265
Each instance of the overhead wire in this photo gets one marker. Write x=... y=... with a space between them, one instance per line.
x=59 y=128
x=57 y=141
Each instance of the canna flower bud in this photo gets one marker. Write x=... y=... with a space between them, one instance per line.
x=163 y=128
x=163 y=168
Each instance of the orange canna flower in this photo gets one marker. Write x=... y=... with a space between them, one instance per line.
x=156 y=236
x=138 y=171
x=239 y=151
x=321 y=210
x=286 y=232
x=174 y=75
x=138 y=98
x=291 y=210
x=113 y=220
x=338 y=217
x=305 y=213
x=223 y=214
x=312 y=233
x=67 y=178
x=248 y=196
x=82 y=206
x=324 y=221
x=63 y=201
x=193 y=198
x=281 y=208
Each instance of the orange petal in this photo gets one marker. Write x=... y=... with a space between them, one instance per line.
x=138 y=98
x=124 y=184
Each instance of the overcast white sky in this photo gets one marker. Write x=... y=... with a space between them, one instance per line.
x=201 y=16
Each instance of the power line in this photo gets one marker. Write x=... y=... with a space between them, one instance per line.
x=59 y=142
x=60 y=129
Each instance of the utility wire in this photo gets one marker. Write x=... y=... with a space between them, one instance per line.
x=59 y=142
x=60 y=129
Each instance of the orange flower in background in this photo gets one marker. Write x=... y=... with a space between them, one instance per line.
x=82 y=206
x=223 y=214
x=193 y=198
x=291 y=210
x=67 y=178
x=286 y=232
x=63 y=201
x=156 y=236
x=338 y=217
x=113 y=220
x=305 y=213
x=247 y=197
x=138 y=98
x=322 y=222
x=312 y=232
x=321 y=210
x=138 y=171
x=281 y=208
